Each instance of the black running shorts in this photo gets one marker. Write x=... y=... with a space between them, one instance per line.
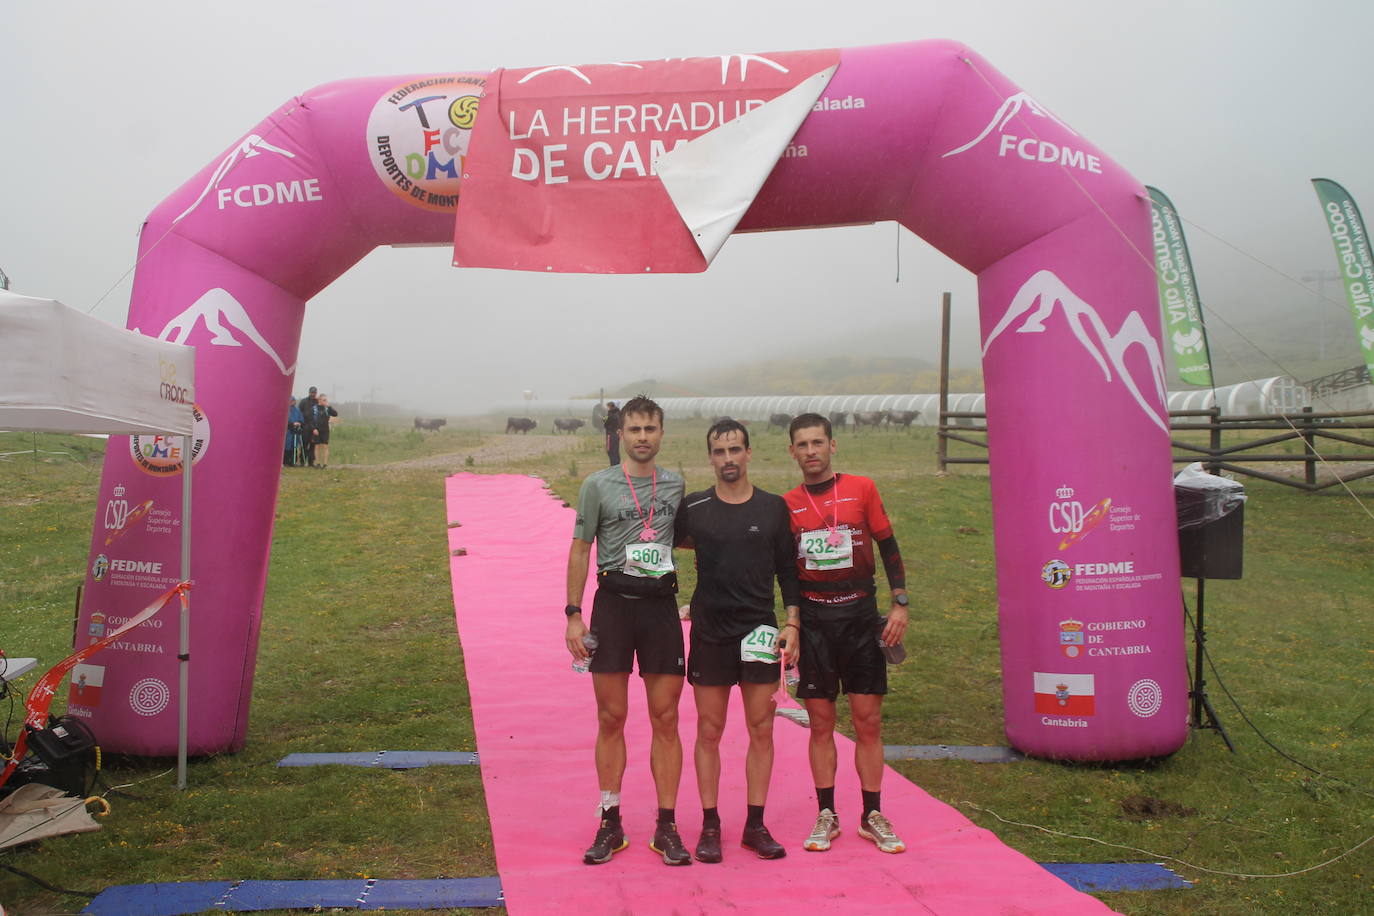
x=840 y=651
x=645 y=627
x=714 y=664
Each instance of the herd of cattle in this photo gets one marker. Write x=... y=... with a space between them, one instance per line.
x=839 y=419
x=860 y=418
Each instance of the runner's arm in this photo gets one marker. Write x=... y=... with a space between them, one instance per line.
x=899 y=616
x=579 y=558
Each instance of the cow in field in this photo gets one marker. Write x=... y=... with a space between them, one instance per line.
x=873 y=418
x=568 y=425
x=434 y=423
x=520 y=424
x=837 y=419
x=903 y=418
x=780 y=420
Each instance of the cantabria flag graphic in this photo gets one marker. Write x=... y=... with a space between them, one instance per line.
x=1064 y=694
x=86 y=683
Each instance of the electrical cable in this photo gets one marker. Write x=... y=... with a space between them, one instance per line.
x=1158 y=855
x=45 y=885
x=1211 y=664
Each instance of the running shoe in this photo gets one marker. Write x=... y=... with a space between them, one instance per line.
x=877 y=828
x=762 y=842
x=668 y=844
x=708 y=847
x=610 y=839
x=826 y=829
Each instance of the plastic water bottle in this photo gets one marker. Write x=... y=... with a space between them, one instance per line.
x=583 y=665
x=790 y=676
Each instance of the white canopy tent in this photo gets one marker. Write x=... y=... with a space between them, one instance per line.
x=62 y=371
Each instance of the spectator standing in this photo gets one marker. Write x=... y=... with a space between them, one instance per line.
x=325 y=419
x=612 y=426
x=309 y=406
x=295 y=423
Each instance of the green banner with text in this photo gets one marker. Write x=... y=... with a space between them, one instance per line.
x=1178 y=298
x=1352 y=252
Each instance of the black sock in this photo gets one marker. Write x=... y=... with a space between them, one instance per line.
x=754 y=818
x=611 y=815
x=666 y=816
x=825 y=798
x=710 y=817
x=872 y=801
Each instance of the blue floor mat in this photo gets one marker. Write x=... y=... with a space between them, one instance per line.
x=1115 y=876
x=176 y=898
x=976 y=753
x=386 y=760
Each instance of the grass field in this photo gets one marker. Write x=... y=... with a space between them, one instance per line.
x=359 y=653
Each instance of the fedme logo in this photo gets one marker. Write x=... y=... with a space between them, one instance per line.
x=136 y=566
x=1104 y=569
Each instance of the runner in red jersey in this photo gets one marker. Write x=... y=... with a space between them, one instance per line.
x=837 y=520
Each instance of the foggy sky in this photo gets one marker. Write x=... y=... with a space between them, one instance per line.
x=1229 y=107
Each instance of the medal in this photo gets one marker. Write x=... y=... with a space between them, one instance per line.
x=648 y=533
x=834 y=539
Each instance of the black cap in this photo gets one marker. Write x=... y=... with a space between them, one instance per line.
x=313 y=389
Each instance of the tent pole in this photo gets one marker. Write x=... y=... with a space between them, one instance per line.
x=184 y=656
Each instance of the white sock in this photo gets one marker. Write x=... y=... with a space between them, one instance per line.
x=609 y=800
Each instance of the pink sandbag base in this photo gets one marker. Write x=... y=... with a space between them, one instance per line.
x=535 y=722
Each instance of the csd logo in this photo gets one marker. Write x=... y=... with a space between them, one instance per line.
x=1055 y=574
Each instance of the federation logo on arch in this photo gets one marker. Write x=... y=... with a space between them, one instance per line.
x=161 y=456
x=1056 y=574
x=418 y=136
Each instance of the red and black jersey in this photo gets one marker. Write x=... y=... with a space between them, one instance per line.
x=812 y=507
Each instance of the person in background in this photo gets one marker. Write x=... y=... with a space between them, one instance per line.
x=612 y=426
x=308 y=406
x=324 y=418
x=295 y=423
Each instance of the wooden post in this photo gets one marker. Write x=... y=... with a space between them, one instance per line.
x=1310 y=459
x=1214 y=439
x=942 y=444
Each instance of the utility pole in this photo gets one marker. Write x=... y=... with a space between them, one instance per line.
x=4 y=280
x=1321 y=278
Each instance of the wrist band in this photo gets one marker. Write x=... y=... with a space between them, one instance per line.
x=571 y=609
x=792 y=625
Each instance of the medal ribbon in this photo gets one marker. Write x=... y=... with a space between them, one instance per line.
x=648 y=533
x=834 y=539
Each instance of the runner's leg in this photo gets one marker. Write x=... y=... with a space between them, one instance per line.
x=866 y=711
x=665 y=750
x=712 y=704
x=821 y=748
x=759 y=709
x=612 y=706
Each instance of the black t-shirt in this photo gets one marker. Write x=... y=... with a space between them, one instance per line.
x=740 y=549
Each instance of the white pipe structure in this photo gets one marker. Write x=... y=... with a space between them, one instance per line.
x=1280 y=394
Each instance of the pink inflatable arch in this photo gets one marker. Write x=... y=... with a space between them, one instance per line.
x=924 y=133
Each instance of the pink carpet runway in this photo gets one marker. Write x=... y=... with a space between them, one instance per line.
x=535 y=721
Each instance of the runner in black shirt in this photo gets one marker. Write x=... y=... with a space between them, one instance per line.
x=743 y=540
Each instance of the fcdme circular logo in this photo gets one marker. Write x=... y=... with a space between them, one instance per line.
x=418 y=136
x=1055 y=574
x=161 y=455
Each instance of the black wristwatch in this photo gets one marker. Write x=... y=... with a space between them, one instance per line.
x=901 y=599
x=572 y=609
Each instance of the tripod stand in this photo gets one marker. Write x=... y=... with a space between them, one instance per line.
x=1201 y=702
